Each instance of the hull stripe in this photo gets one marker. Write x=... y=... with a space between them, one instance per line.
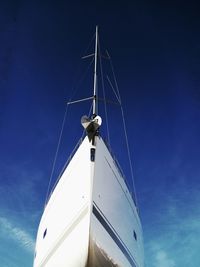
x=113 y=234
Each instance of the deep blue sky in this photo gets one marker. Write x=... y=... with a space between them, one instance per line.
x=155 y=50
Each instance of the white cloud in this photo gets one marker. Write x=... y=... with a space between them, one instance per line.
x=162 y=259
x=173 y=239
x=17 y=234
x=20 y=193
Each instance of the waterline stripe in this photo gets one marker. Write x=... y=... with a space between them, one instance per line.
x=108 y=227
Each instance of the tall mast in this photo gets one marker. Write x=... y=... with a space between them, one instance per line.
x=95 y=75
x=92 y=125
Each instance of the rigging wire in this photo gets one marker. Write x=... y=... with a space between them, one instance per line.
x=117 y=94
x=90 y=43
x=58 y=147
x=76 y=87
x=56 y=154
x=74 y=91
x=57 y=150
x=115 y=80
x=104 y=95
x=111 y=85
x=78 y=80
x=125 y=132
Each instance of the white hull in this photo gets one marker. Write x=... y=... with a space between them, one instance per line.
x=90 y=219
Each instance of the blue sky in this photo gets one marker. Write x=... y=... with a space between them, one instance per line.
x=155 y=51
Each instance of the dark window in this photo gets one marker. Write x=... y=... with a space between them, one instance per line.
x=135 y=235
x=45 y=232
x=92 y=154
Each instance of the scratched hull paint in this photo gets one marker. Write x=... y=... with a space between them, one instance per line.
x=98 y=257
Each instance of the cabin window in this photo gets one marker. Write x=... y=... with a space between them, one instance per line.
x=135 y=235
x=92 y=154
x=45 y=232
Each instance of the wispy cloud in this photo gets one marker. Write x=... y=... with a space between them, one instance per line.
x=174 y=235
x=20 y=191
x=17 y=234
x=160 y=257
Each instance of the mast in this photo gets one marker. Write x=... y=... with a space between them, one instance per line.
x=95 y=107
x=92 y=125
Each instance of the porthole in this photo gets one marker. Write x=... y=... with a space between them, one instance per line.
x=45 y=232
x=135 y=235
